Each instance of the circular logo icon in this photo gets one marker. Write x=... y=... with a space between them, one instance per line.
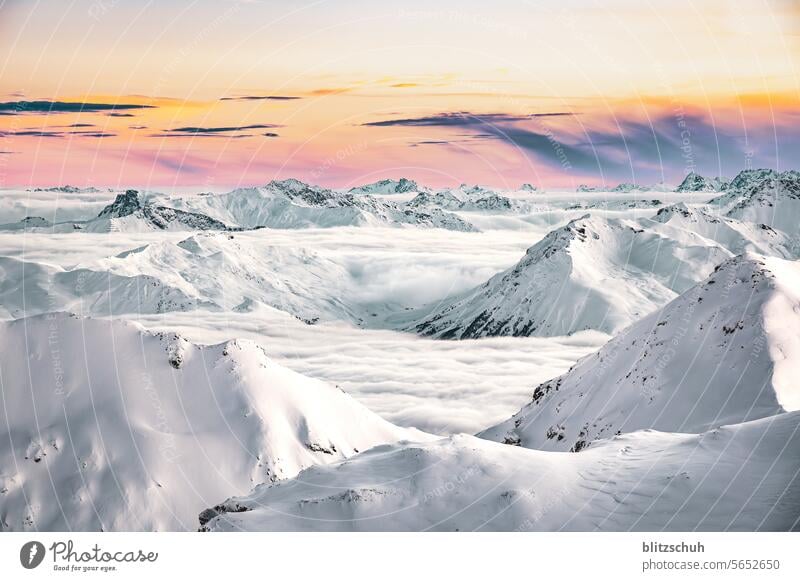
x=31 y=554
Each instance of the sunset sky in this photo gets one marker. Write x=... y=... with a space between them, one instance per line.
x=553 y=92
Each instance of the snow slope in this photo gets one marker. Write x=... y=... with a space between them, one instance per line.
x=230 y=272
x=725 y=351
x=733 y=235
x=30 y=288
x=740 y=477
x=109 y=427
x=593 y=273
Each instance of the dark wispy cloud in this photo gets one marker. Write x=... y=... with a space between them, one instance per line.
x=261 y=98
x=22 y=107
x=459 y=119
x=663 y=145
x=233 y=132
x=54 y=134
x=113 y=114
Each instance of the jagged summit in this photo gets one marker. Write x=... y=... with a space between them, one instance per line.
x=123 y=205
x=128 y=213
x=694 y=182
x=765 y=197
x=723 y=352
x=749 y=177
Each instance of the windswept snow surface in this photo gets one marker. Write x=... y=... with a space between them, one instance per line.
x=108 y=427
x=734 y=478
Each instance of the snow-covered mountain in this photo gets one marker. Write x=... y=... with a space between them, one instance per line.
x=30 y=288
x=773 y=201
x=747 y=178
x=593 y=273
x=731 y=234
x=464 y=198
x=217 y=271
x=68 y=190
x=386 y=187
x=725 y=351
x=27 y=223
x=625 y=188
x=230 y=272
x=128 y=214
x=108 y=427
x=293 y=204
x=737 y=478
x=694 y=182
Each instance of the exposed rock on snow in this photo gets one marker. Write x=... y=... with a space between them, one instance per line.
x=28 y=223
x=739 y=477
x=725 y=351
x=593 y=273
x=772 y=201
x=694 y=182
x=385 y=187
x=112 y=428
x=464 y=198
x=127 y=214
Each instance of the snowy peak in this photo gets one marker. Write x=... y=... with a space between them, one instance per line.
x=694 y=182
x=387 y=187
x=747 y=178
x=293 y=204
x=720 y=353
x=769 y=199
x=172 y=424
x=313 y=195
x=128 y=214
x=464 y=198
x=123 y=205
x=683 y=213
x=592 y=273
